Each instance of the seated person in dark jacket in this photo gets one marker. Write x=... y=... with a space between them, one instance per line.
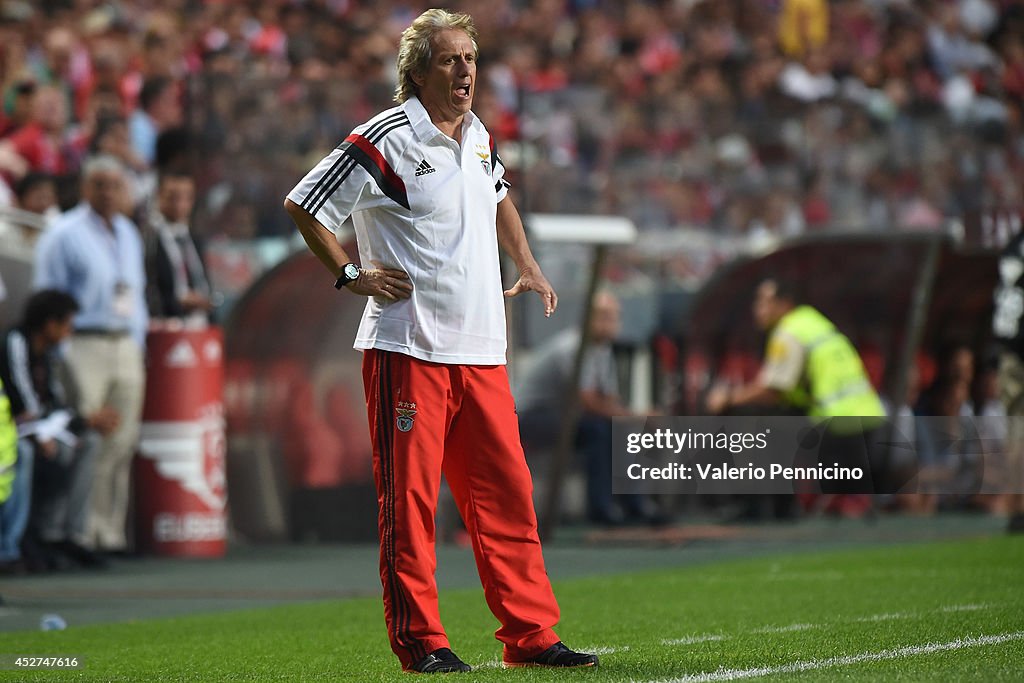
x=49 y=428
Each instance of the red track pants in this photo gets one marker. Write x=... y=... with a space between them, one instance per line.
x=425 y=419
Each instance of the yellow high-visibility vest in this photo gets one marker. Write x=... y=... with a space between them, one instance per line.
x=834 y=381
x=8 y=445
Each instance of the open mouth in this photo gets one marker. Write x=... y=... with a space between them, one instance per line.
x=462 y=91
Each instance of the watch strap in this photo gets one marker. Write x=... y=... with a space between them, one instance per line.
x=345 y=279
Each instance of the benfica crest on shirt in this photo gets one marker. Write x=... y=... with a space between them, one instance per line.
x=485 y=158
x=406 y=412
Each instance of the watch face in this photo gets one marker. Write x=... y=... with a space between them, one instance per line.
x=351 y=271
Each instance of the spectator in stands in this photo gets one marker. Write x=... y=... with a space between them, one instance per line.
x=111 y=137
x=35 y=209
x=176 y=278
x=95 y=254
x=159 y=110
x=52 y=474
x=810 y=80
x=592 y=133
x=950 y=45
x=37 y=193
x=43 y=141
x=60 y=61
x=22 y=108
x=803 y=26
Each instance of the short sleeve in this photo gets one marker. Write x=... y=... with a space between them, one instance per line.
x=784 y=362
x=333 y=190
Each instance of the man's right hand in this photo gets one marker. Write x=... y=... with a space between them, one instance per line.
x=105 y=420
x=47 y=448
x=193 y=301
x=392 y=284
x=385 y=282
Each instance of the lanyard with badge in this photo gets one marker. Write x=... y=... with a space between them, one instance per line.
x=123 y=303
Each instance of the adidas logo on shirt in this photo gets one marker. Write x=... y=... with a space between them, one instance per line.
x=424 y=168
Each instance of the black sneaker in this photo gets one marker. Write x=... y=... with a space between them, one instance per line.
x=13 y=567
x=558 y=655
x=82 y=556
x=441 y=661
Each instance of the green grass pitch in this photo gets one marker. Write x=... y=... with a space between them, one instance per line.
x=928 y=612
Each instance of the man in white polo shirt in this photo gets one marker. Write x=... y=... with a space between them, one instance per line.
x=424 y=186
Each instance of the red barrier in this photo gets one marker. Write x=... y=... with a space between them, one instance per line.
x=181 y=497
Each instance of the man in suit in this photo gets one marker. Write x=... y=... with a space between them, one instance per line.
x=178 y=286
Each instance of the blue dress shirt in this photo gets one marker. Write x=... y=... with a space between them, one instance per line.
x=80 y=255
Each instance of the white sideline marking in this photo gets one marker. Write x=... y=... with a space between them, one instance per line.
x=693 y=640
x=885 y=617
x=847 y=660
x=827 y=575
x=964 y=608
x=734 y=674
x=493 y=664
x=786 y=629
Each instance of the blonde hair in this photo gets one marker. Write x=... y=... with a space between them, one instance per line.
x=414 y=47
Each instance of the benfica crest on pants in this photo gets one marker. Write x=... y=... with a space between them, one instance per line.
x=406 y=412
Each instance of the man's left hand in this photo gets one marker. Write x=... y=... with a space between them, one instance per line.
x=533 y=279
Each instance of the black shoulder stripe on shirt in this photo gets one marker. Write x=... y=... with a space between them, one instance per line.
x=369 y=157
x=22 y=391
x=342 y=165
x=386 y=180
x=339 y=165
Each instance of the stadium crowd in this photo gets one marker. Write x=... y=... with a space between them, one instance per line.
x=747 y=119
x=743 y=117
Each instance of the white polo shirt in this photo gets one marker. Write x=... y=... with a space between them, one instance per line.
x=421 y=203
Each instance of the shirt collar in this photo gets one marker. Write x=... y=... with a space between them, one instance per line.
x=161 y=225
x=97 y=219
x=421 y=124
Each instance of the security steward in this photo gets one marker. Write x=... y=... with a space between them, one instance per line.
x=810 y=366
